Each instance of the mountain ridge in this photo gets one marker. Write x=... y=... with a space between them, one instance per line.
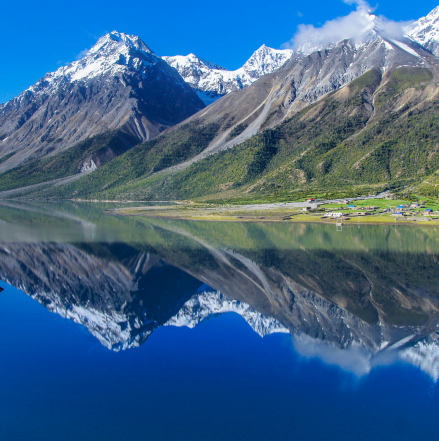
x=403 y=74
x=212 y=81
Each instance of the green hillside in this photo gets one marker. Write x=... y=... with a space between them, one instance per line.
x=101 y=149
x=376 y=133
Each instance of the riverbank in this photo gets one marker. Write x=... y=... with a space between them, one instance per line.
x=353 y=212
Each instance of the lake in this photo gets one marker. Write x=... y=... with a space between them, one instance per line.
x=118 y=327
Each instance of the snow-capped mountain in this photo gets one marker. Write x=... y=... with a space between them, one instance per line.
x=367 y=30
x=209 y=304
x=425 y=355
x=425 y=31
x=317 y=67
x=212 y=81
x=120 y=84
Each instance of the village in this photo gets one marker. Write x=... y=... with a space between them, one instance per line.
x=347 y=209
x=367 y=210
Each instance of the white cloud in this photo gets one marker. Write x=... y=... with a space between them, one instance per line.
x=355 y=25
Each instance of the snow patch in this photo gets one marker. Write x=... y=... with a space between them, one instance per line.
x=211 y=304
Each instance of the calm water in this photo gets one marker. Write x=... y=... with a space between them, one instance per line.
x=133 y=328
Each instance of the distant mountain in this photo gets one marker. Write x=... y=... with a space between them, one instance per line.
x=425 y=31
x=212 y=81
x=120 y=84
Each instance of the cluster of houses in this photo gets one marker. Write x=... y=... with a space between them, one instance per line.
x=413 y=209
x=365 y=211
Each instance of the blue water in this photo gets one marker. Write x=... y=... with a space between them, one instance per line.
x=218 y=381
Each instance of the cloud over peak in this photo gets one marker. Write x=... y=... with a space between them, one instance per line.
x=358 y=25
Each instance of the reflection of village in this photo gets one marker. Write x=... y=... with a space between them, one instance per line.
x=347 y=210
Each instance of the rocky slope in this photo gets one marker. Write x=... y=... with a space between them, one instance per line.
x=212 y=81
x=425 y=31
x=310 y=74
x=120 y=84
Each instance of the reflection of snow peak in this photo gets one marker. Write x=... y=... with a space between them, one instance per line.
x=114 y=330
x=424 y=355
x=212 y=303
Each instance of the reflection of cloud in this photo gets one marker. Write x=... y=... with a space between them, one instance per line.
x=360 y=361
x=356 y=360
x=354 y=25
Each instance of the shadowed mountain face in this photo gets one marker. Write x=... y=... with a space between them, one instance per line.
x=119 y=85
x=372 y=290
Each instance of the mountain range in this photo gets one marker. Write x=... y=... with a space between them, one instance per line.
x=212 y=81
x=358 y=114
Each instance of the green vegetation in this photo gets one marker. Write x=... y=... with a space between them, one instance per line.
x=372 y=135
x=100 y=148
x=401 y=79
x=237 y=130
x=150 y=157
x=6 y=157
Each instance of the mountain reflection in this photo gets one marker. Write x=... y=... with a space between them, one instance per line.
x=356 y=298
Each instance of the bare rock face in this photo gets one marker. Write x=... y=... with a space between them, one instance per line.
x=120 y=84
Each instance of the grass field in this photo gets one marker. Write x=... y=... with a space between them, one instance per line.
x=282 y=213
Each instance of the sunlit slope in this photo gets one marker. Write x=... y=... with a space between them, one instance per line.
x=377 y=132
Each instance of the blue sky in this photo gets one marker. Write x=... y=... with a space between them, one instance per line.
x=38 y=37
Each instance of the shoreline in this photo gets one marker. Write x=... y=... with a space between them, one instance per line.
x=354 y=221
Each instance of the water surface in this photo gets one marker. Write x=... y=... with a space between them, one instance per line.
x=118 y=327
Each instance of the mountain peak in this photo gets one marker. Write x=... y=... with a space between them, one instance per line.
x=266 y=60
x=112 y=53
x=425 y=31
x=118 y=40
x=212 y=81
x=360 y=27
